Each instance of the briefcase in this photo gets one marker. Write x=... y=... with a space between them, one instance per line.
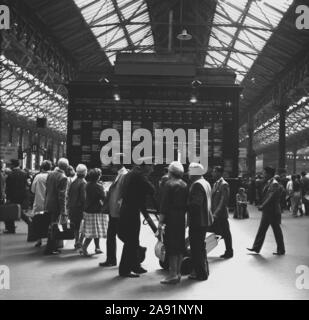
x=62 y=231
x=38 y=228
x=10 y=212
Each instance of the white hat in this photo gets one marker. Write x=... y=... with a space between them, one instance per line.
x=196 y=169
x=81 y=169
x=176 y=167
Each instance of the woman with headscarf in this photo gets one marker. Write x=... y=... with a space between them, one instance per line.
x=94 y=221
x=173 y=211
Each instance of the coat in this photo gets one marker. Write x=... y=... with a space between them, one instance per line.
x=16 y=186
x=136 y=187
x=95 y=195
x=270 y=205
x=38 y=188
x=199 y=205
x=56 y=185
x=220 y=199
x=173 y=208
x=76 y=198
x=2 y=187
x=113 y=199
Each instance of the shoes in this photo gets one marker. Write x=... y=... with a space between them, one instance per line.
x=38 y=244
x=107 y=264
x=84 y=252
x=77 y=246
x=279 y=253
x=129 y=275
x=227 y=255
x=9 y=232
x=98 y=251
x=170 y=281
x=140 y=270
x=253 y=250
x=50 y=253
x=195 y=277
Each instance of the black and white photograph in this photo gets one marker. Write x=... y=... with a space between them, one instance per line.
x=154 y=154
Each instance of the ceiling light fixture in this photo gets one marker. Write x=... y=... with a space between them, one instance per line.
x=193 y=99
x=116 y=97
x=184 y=35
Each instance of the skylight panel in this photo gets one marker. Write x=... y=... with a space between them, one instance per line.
x=116 y=30
x=257 y=26
x=26 y=95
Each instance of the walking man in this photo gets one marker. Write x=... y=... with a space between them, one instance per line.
x=271 y=213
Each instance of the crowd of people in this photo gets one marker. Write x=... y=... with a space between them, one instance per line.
x=294 y=192
x=78 y=196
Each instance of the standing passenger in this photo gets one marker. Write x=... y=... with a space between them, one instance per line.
x=56 y=185
x=136 y=187
x=219 y=203
x=76 y=199
x=173 y=213
x=113 y=204
x=38 y=188
x=94 y=220
x=200 y=218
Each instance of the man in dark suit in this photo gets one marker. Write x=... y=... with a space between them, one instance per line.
x=112 y=207
x=219 y=204
x=136 y=187
x=56 y=185
x=305 y=191
x=16 y=191
x=199 y=218
x=271 y=213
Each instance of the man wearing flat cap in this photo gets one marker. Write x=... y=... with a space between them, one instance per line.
x=136 y=187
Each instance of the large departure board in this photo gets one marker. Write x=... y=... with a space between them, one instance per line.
x=90 y=115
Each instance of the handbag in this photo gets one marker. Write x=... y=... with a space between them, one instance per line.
x=62 y=230
x=160 y=250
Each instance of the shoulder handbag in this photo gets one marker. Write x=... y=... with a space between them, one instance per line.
x=62 y=230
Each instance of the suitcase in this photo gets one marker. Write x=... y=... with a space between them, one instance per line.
x=211 y=241
x=10 y=212
x=38 y=228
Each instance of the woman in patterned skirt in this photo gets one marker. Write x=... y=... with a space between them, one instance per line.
x=95 y=222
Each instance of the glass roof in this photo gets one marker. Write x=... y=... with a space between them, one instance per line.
x=24 y=94
x=240 y=31
x=297 y=120
x=118 y=25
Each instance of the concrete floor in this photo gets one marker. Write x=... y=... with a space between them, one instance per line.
x=246 y=276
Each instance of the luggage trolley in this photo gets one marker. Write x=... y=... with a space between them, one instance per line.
x=211 y=240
